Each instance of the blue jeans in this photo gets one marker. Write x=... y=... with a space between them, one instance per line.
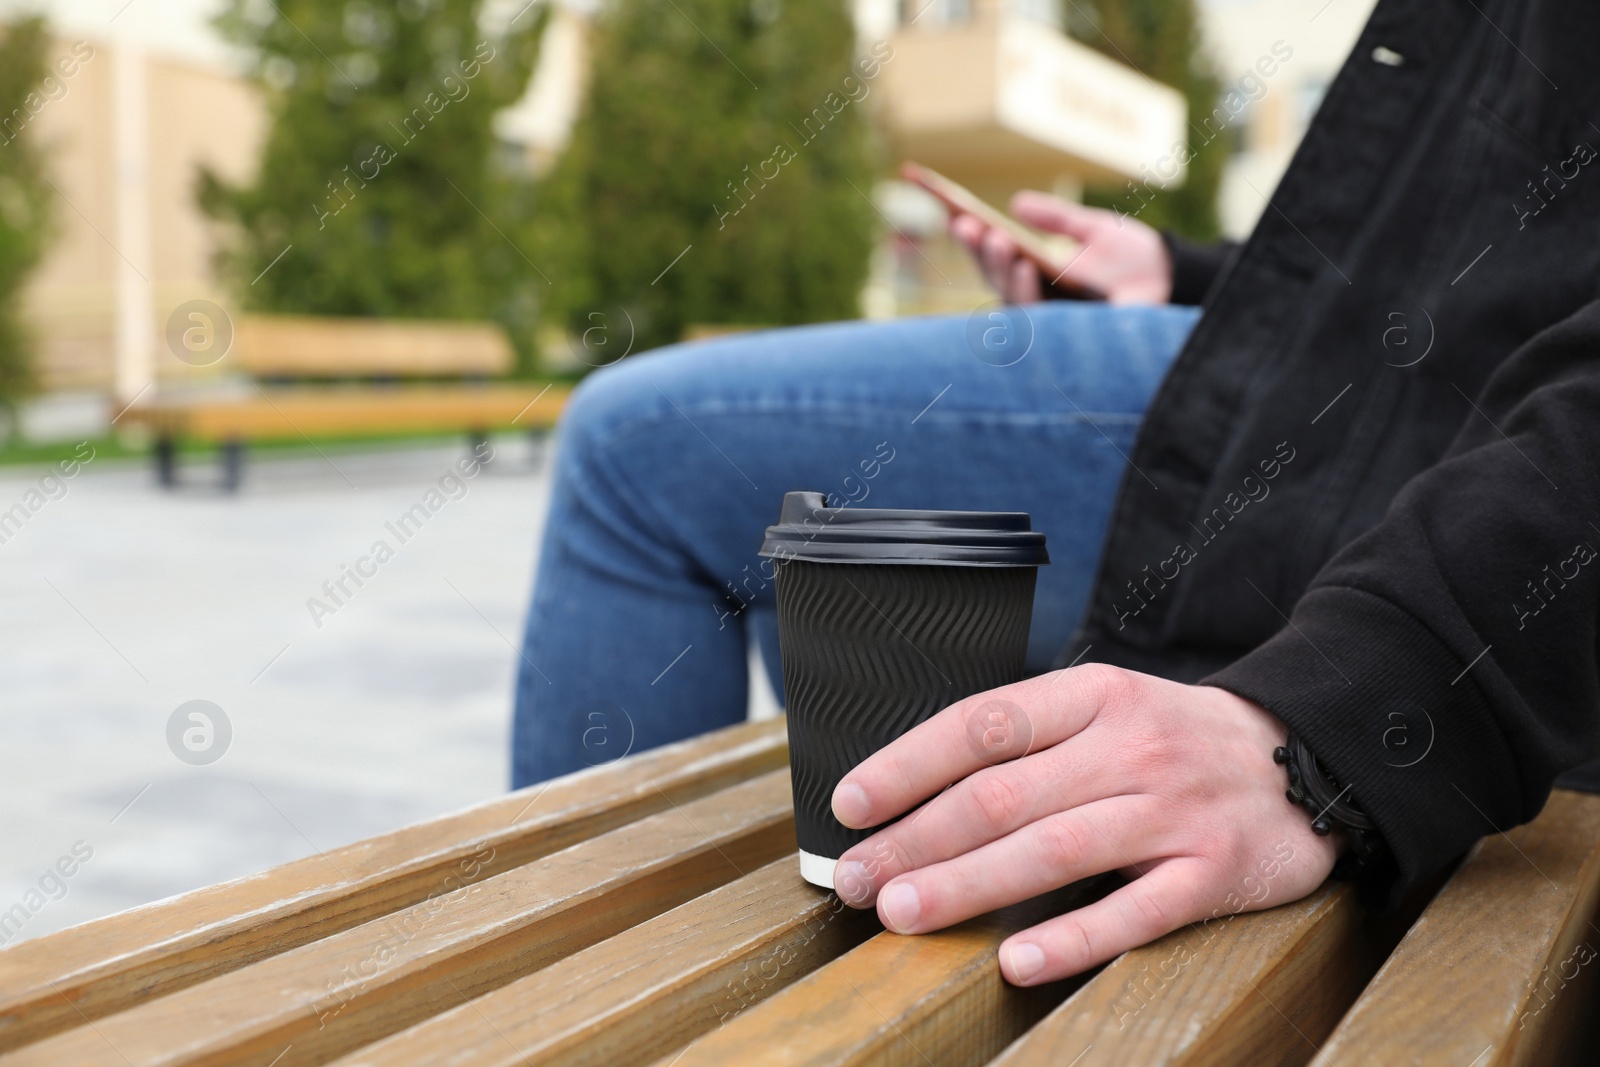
x=670 y=465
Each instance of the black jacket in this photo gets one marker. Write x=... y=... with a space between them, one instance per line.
x=1366 y=496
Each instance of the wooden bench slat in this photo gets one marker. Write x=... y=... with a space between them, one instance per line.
x=934 y=998
x=280 y=413
x=320 y=345
x=659 y=985
x=1500 y=969
x=1257 y=988
x=320 y=1000
x=54 y=982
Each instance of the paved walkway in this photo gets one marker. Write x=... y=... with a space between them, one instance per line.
x=122 y=603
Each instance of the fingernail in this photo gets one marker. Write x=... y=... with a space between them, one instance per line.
x=900 y=906
x=850 y=805
x=850 y=881
x=1026 y=959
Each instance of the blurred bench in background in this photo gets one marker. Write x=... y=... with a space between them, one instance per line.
x=319 y=377
x=651 y=911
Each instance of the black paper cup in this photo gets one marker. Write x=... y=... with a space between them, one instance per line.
x=884 y=618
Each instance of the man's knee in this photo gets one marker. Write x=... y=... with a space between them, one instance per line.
x=605 y=405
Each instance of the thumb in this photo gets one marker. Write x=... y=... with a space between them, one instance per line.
x=1045 y=212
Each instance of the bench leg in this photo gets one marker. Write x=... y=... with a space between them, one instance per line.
x=478 y=443
x=166 y=457
x=538 y=439
x=232 y=464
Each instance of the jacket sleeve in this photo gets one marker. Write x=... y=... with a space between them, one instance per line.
x=1442 y=666
x=1196 y=267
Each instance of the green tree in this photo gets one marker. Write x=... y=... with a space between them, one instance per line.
x=732 y=134
x=24 y=205
x=378 y=175
x=1161 y=38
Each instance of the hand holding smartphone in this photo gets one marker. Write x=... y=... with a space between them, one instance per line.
x=1050 y=253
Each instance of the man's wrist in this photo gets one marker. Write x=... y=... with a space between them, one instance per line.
x=1194 y=268
x=1333 y=810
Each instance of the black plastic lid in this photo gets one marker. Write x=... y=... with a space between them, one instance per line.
x=808 y=529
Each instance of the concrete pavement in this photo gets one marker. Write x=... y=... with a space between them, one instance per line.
x=121 y=603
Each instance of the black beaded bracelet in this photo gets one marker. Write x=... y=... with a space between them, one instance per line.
x=1329 y=805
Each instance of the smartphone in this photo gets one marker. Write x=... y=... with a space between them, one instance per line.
x=1050 y=253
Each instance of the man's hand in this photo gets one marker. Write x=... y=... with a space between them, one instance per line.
x=1071 y=774
x=1121 y=257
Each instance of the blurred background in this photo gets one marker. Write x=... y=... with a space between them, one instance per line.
x=282 y=280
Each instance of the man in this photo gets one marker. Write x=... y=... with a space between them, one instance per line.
x=1362 y=509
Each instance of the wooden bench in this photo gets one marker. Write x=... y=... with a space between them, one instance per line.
x=651 y=911
x=296 y=378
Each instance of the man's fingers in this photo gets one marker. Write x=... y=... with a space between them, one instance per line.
x=1014 y=278
x=980 y=731
x=1045 y=212
x=1169 y=896
x=999 y=252
x=1044 y=855
x=1025 y=287
x=994 y=262
x=983 y=807
x=968 y=230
